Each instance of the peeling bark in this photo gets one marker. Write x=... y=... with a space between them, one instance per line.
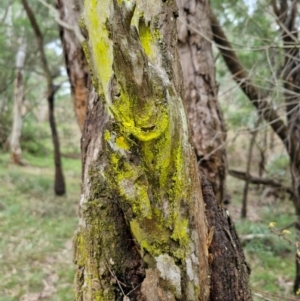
x=75 y=60
x=204 y=113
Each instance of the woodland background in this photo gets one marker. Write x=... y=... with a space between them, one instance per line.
x=37 y=226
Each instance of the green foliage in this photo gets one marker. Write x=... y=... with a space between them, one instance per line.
x=33 y=136
x=278 y=166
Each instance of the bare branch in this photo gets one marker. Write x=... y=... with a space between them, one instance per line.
x=255 y=180
x=241 y=76
x=39 y=38
x=75 y=27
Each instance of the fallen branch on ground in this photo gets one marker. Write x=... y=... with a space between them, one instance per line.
x=256 y=180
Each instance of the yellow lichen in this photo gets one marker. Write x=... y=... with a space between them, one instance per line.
x=107 y=135
x=122 y=143
x=180 y=232
x=146 y=38
x=96 y=15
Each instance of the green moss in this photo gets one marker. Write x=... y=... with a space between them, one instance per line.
x=128 y=180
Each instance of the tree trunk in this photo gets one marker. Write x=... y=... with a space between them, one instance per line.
x=16 y=132
x=59 y=180
x=142 y=233
x=75 y=60
x=59 y=183
x=205 y=116
x=229 y=269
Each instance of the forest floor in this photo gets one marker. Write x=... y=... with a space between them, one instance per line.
x=37 y=229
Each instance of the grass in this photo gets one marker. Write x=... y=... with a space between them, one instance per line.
x=272 y=259
x=36 y=230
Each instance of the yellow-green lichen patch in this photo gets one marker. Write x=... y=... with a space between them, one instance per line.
x=180 y=232
x=80 y=251
x=151 y=236
x=122 y=143
x=107 y=135
x=144 y=124
x=128 y=179
x=146 y=38
x=96 y=15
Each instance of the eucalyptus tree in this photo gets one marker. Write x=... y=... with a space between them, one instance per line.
x=203 y=110
x=76 y=63
x=143 y=231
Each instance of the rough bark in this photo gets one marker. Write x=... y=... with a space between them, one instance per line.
x=59 y=183
x=226 y=257
x=142 y=220
x=75 y=60
x=143 y=232
x=205 y=116
x=16 y=132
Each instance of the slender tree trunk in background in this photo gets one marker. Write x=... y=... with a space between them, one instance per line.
x=263 y=151
x=59 y=182
x=205 y=116
x=248 y=168
x=143 y=230
x=75 y=60
x=15 y=137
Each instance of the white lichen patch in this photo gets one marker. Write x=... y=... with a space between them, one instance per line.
x=169 y=271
